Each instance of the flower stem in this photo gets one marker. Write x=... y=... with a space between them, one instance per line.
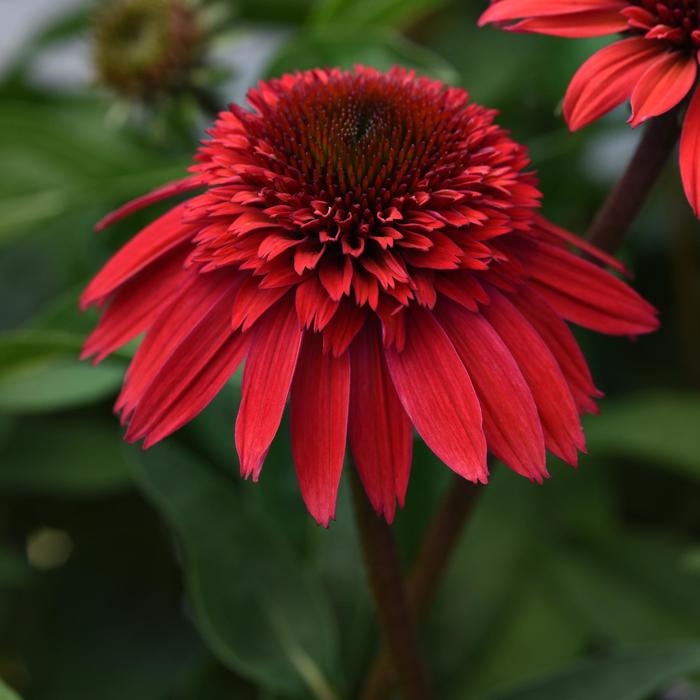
x=431 y=562
x=384 y=571
x=629 y=194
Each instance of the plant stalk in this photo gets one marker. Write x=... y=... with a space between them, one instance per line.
x=629 y=194
x=431 y=562
x=385 y=577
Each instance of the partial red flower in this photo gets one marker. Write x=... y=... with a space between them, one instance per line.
x=654 y=64
x=370 y=242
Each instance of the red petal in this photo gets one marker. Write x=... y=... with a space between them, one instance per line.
x=381 y=435
x=562 y=235
x=560 y=422
x=664 y=84
x=200 y=392
x=161 y=408
x=172 y=327
x=586 y=294
x=607 y=79
x=560 y=340
x=578 y=25
x=437 y=393
x=145 y=247
x=511 y=424
x=266 y=380
x=319 y=419
x=506 y=10
x=690 y=153
x=137 y=304
x=343 y=327
x=251 y=302
x=165 y=192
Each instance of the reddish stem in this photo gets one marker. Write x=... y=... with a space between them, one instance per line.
x=384 y=571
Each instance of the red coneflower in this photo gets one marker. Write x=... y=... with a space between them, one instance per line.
x=654 y=65
x=370 y=242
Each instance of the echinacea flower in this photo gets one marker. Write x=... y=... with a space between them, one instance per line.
x=654 y=64
x=370 y=242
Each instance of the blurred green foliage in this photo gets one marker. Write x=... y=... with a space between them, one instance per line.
x=160 y=575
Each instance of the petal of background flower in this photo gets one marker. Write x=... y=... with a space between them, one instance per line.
x=664 y=84
x=450 y=422
x=607 y=79
x=690 y=153
x=505 y=10
x=578 y=25
x=319 y=419
x=380 y=432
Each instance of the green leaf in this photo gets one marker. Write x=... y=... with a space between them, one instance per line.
x=66 y=160
x=371 y=13
x=65 y=456
x=40 y=371
x=274 y=11
x=345 y=46
x=256 y=608
x=6 y=693
x=628 y=675
x=653 y=427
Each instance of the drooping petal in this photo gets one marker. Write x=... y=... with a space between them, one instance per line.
x=690 y=153
x=561 y=235
x=171 y=189
x=201 y=390
x=137 y=304
x=607 y=79
x=560 y=340
x=587 y=295
x=511 y=423
x=319 y=421
x=664 y=84
x=380 y=432
x=450 y=422
x=267 y=378
x=560 y=422
x=191 y=369
x=144 y=248
x=176 y=322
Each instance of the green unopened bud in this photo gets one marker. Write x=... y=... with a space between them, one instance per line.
x=147 y=48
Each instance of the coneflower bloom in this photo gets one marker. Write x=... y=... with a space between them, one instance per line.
x=370 y=242
x=654 y=64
